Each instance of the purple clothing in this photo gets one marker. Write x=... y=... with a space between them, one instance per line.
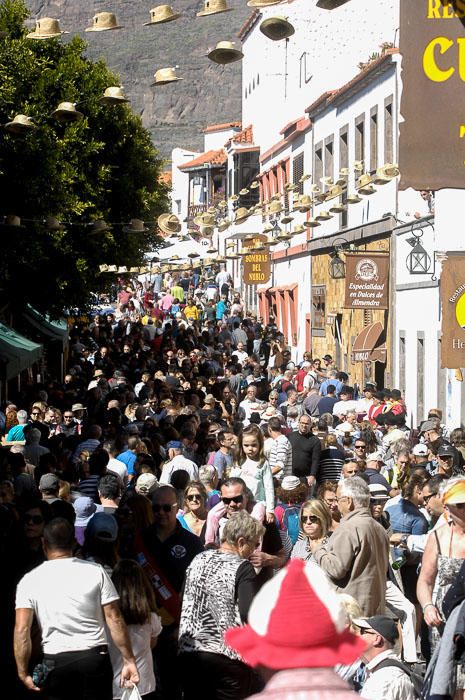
x=306 y=683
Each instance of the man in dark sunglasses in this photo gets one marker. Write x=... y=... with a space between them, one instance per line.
x=167 y=549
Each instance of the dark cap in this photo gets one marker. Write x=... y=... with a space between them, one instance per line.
x=446 y=451
x=430 y=424
x=384 y=625
x=48 y=482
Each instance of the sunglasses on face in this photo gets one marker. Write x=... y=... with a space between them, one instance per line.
x=360 y=447
x=194 y=497
x=35 y=413
x=34 y=519
x=426 y=499
x=363 y=631
x=165 y=507
x=310 y=519
x=68 y=417
x=233 y=499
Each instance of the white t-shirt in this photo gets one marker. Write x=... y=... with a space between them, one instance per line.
x=67 y=597
x=241 y=356
x=179 y=462
x=342 y=407
x=140 y=636
x=118 y=468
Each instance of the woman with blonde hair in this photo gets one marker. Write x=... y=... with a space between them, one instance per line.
x=315 y=521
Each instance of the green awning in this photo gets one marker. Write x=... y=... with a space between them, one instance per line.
x=17 y=352
x=54 y=330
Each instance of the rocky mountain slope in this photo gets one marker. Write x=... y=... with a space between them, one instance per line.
x=175 y=114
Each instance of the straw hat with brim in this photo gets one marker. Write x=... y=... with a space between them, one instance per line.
x=122 y=269
x=213 y=7
x=275 y=208
x=254 y=185
x=206 y=231
x=112 y=268
x=20 y=124
x=163 y=76
x=353 y=199
x=281 y=632
x=67 y=112
x=244 y=191
x=52 y=224
x=242 y=214
x=46 y=28
x=337 y=208
x=262 y=3
x=363 y=181
x=134 y=269
x=224 y=53
x=103 y=268
x=135 y=226
x=287 y=219
x=169 y=223
x=162 y=14
x=103 y=22
x=114 y=95
x=311 y=223
x=224 y=225
x=385 y=174
x=323 y=216
x=277 y=28
x=14 y=221
x=204 y=220
x=298 y=229
x=212 y=250
x=100 y=226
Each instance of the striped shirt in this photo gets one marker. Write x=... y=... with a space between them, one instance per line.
x=330 y=466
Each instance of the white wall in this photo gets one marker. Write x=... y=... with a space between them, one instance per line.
x=215 y=140
x=334 y=42
x=180 y=182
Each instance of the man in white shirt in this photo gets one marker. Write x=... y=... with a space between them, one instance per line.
x=250 y=405
x=386 y=675
x=345 y=404
x=72 y=600
x=364 y=403
x=240 y=353
x=176 y=461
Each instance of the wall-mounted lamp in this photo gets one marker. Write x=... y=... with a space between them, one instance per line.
x=337 y=266
x=418 y=261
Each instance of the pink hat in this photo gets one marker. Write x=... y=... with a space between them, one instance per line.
x=296 y=621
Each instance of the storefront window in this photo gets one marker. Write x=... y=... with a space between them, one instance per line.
x=318 y=307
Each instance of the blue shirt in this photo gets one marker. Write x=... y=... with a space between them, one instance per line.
x=129 y=459
x=335 y=382
x=16 y=433
x=407 y=518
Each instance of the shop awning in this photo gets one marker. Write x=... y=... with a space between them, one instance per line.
x=17 y=352
x=367 y=348
x=53 y=330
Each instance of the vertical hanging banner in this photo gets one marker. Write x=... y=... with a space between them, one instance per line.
x=367 y=281
x=256 y=266
x=432 y=127
x=453 y=312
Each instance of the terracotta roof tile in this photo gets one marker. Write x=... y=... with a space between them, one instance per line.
x=248 y=24
x=166 y=177
x=209 y=157
x=222 y=127
x=244 y=136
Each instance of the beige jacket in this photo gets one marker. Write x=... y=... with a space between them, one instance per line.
x=356 y=560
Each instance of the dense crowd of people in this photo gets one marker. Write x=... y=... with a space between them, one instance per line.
x=186 y=465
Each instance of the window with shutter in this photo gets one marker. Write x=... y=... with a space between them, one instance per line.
x=297 y=172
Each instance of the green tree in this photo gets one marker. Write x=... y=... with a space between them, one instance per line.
x=103 y=166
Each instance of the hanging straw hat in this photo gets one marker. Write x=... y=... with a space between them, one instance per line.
x=386 y=173
x=206 y=231
x=204 y=219
x=213 y=7
x=323 y=216
x=103 y=22
x=337 y=208
x=297 y=229
x=100 y=226
x=334 y=192
x=135 y=226
x=164 y=76
x=224 y=53
x=46 y=28
x=353 y=199
x=275 y=208
x=52 y=224
x=223 y=225
x=311 y=223
x=114 y=95
x=13 y=221
x=20 y=124
x=243 y=191
x=112 y=268
x=277 y=28
x=364 y=184
x=262 y=3
x=122 y=269
x=343 y=175
x=281 y=632
x=305 y=176
x=67 y=112
x=287 y=219
x=162 y=14
x=169 y=223
x=304 y=204
x=104 y=268
x=134 y=270
x=254 y=185
x=242 y=214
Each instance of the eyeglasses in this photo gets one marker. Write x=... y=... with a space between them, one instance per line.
x=444 y=458
x=377 y=501
x=310 y=519
x=233 y=499
x=165 y=507
x=426 y=499
x=364 y=631
x=360 y=447
x=194 y=497
x=35 y=413
x=68 y=417
x=34 y=519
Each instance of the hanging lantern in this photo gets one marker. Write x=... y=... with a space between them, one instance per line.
x=418 y=261
x=337 y=268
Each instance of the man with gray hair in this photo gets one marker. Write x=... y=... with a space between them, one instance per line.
x=16 y=433
x=356 y=557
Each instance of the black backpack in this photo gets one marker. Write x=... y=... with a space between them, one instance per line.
x=415 y=678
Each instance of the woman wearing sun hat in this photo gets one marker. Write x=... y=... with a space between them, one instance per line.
x=282 y=639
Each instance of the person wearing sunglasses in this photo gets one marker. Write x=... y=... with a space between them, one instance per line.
x=170 y=549
x=33 y=520
x=315 y=523
x=194 y=517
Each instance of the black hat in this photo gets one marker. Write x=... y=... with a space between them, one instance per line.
x=384 y=625
x=446 y=451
